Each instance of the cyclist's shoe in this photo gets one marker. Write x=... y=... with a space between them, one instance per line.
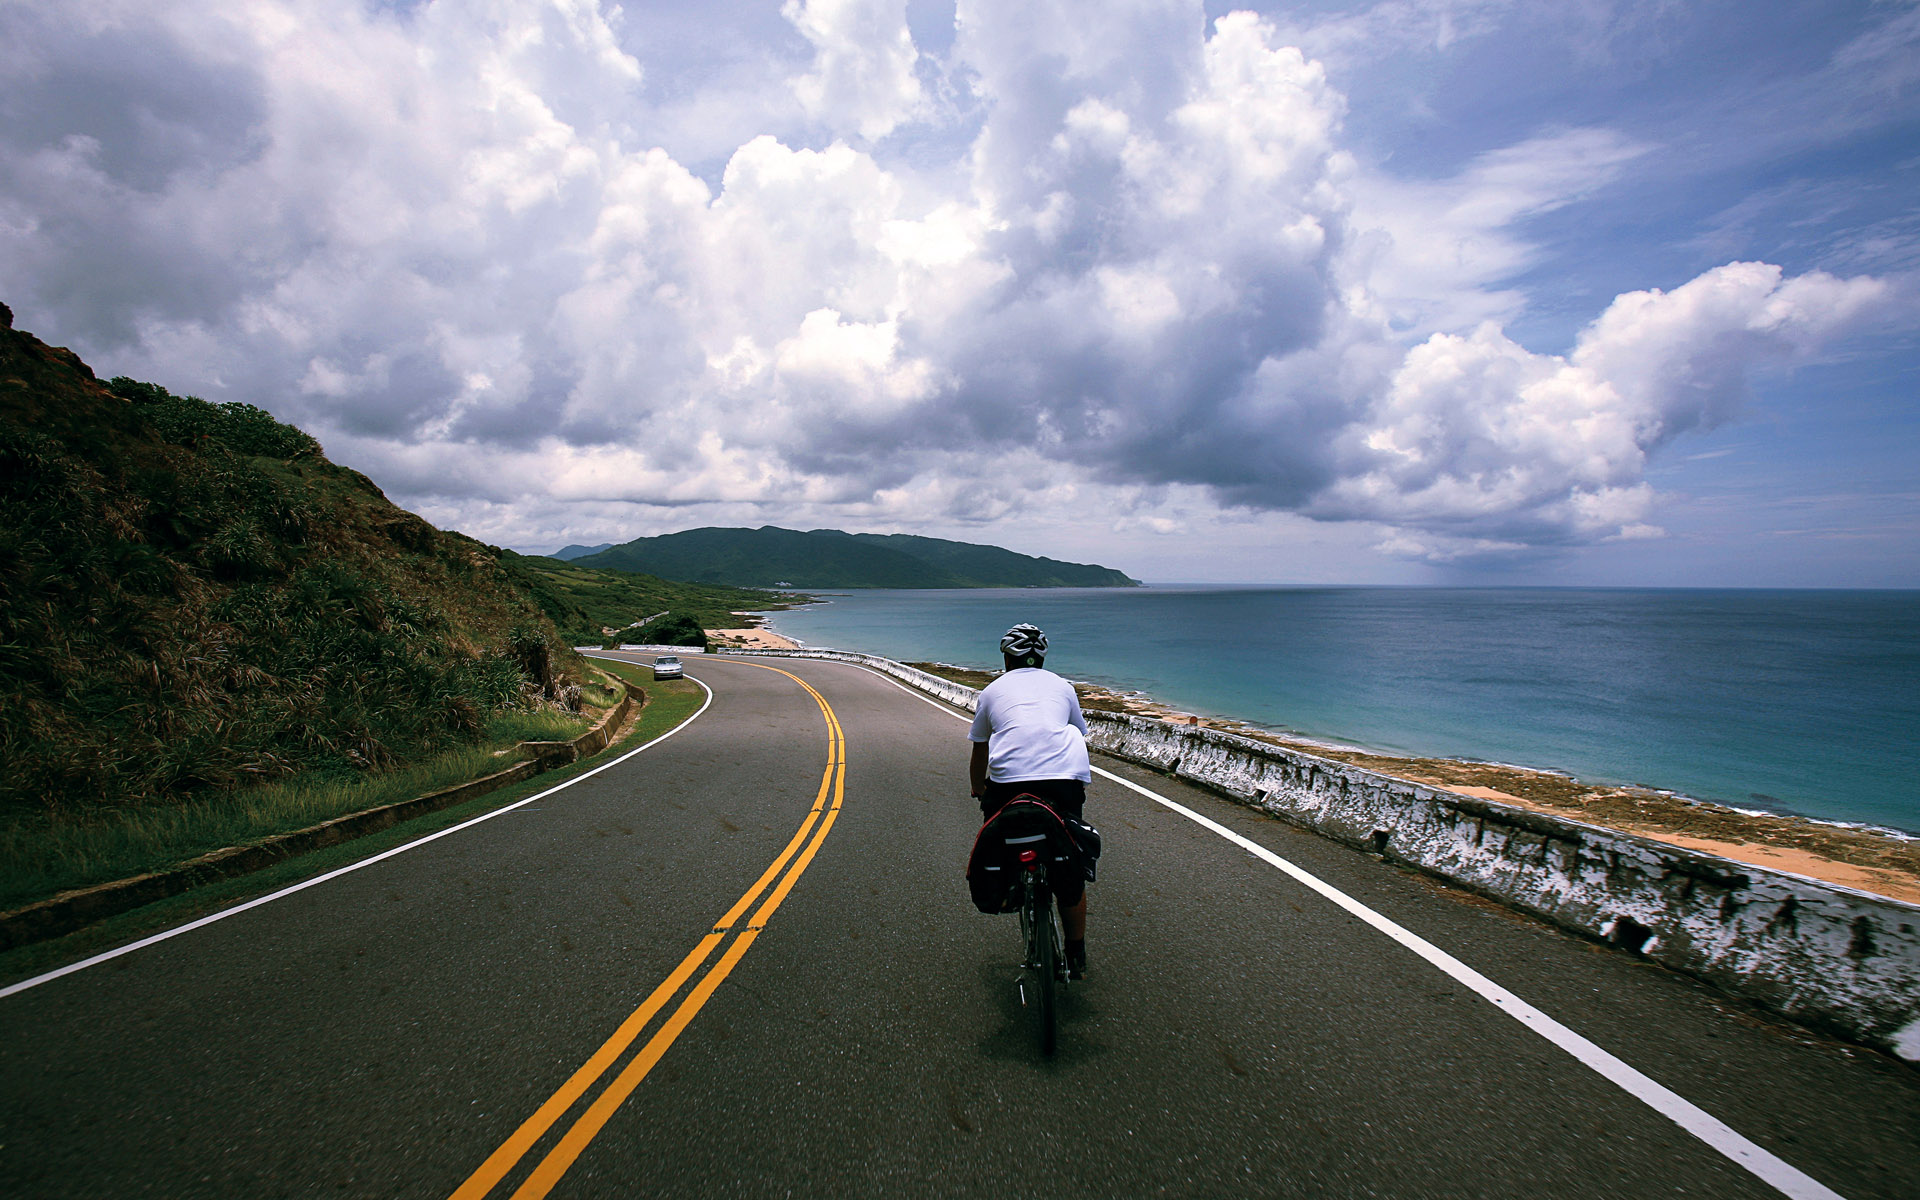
x=1076 y=960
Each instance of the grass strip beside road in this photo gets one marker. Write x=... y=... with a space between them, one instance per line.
x=41 y=856
x=45 y=853
x=668 y=705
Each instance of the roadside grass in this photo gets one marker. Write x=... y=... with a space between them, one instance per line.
x=44 y=854
x=669 y=704
x=598 y=693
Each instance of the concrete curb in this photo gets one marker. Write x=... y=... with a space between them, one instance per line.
x=1831 y=957
x=66 y=912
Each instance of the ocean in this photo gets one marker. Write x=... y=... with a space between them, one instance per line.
x=1802 y=702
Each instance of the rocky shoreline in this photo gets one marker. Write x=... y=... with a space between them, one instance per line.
x=1881 y=862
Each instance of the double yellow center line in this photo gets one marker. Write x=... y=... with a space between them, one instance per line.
x=780 y=877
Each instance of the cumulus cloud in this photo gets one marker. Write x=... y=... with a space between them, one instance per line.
x=1137 y=257
x=863 y=69
x=1477 y=436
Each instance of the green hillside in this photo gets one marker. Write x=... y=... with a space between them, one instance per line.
x=770 y=557
x=1005 y=568
x=583 y=601
x=192 y=597
x=827 y=558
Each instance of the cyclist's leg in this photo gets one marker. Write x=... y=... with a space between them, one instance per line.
x=1074 y=919
x=1073 y=927
x=1070 y=799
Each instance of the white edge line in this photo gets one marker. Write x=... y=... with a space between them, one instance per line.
x=1783 y=1176
x=304 y=884
x=1769 y=1168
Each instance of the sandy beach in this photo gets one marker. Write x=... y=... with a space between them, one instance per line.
x=751 y=637
x=1884 y=864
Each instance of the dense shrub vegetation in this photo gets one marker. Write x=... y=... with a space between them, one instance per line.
x=189 y=421
x=192 y=597
x=674 y=629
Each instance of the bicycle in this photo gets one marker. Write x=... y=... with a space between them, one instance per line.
x=1043 y=960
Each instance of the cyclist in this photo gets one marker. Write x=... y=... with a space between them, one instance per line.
x=1029 y=738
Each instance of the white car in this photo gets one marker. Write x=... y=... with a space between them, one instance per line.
x=667 y=666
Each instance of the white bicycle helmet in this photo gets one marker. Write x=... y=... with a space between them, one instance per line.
x=1023 y=640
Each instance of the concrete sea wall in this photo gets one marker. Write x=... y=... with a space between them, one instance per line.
x=1832 y=957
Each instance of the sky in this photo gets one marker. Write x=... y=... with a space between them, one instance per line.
x=1417 y=291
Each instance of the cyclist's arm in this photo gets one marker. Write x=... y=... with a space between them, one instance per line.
x=977 y=769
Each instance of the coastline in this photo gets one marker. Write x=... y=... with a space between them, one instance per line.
x=754 y=635
x=1882 y=862
x=1784 y=702
x=1796 y=936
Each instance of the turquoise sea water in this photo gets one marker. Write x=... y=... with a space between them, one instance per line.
x=1791 y=701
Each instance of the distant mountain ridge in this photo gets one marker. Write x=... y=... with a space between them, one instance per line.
x=830 y=558
x=569 y=553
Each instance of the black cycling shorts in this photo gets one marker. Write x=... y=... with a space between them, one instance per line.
x=1064 y=796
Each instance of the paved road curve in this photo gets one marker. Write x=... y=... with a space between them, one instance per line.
x=847 y=1026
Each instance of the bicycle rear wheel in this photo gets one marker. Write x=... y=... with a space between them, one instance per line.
x=1047 y=966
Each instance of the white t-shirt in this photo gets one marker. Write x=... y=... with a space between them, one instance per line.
x=1031 y=722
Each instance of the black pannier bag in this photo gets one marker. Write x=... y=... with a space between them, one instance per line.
x=1087 y=838
x=993 y=869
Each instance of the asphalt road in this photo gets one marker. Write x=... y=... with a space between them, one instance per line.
x=848 y=1026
